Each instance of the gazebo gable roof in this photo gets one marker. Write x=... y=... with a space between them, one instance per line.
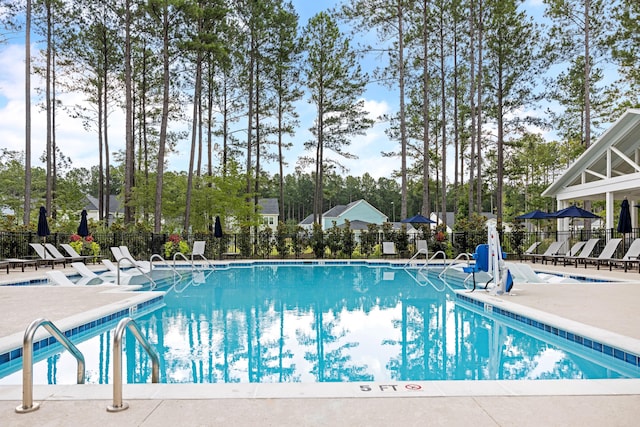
x=611 y=164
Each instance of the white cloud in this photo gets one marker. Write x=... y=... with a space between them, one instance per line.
x=71 y=137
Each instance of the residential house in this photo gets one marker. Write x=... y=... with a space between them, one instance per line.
x=359 y=213
x=115 y=208
x=270 y=212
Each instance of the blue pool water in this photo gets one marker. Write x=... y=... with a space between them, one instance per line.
x=340 y=323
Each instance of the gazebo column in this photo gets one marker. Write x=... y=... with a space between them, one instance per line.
x=634 y=214
x=609 y=211
x=563 y=223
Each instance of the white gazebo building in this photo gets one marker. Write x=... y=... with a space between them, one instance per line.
x=608 y=170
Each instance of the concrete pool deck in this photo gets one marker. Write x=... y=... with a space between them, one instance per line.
x=608 y=306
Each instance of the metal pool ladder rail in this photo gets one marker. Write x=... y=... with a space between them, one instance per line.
x=118 y=405
x=27 y=361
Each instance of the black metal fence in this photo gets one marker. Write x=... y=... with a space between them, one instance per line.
x=143 y=244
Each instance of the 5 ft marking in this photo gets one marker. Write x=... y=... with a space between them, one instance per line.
x=391 y=387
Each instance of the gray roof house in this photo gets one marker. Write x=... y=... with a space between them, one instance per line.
x=115 y=209
x=359 y=213
x=270 y=212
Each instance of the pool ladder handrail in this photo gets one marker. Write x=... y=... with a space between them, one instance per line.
x=128 y=323
x=466 y=255
x=158 y=256
x=181 y=255
x=27 y=361
x=135 y=265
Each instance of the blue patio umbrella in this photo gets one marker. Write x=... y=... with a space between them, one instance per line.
x=418 y=220
x=43 y=225
x=217 y=228
x=537 y=214
x=573 y=211
x=83 y=228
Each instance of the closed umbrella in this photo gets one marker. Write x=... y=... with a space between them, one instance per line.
x=624 y=222
x=43 y=225
x=217 y=228
x=83 y=228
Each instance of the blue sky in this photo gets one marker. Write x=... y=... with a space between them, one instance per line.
x=81 y=145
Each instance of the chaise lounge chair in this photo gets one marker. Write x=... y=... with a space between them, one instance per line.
x=631 y=257
x=575 y=249
x=145 y=265
x=72 y=252
x=531 y=250
x=586 y=252
x=606 y=254
x=57 y=277
x=553 y=249
x=57 y=254
x=46 y=257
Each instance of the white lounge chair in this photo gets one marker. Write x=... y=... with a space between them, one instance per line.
x=145 y=265
x=57 y=277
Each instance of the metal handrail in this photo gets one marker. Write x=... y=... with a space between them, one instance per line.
x=27 y=361
x=157 y=256
x=118 y=405
x=466 y=255
x=181 y=255
x=135 y=266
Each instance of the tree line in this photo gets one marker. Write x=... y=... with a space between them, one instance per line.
x=467 y=75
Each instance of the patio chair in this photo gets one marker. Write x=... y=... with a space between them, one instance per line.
x=606 y=254
x=631 y=257
x=198 y=250
x=575 y=249
x=389 y=249
x=145 y=265
x=72 y=252
x=586 y=252
x=45 y=257
x=553 y=249
x=531 y=250
x=57 y=254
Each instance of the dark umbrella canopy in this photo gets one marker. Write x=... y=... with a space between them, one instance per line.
x=217 y=228
x=537 y=214
x=83 y=228
x=573 y=211
x=43 y=225
x=624 y=223
x=417 y=220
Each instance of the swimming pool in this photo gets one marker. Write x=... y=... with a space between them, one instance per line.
x=330 y=323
